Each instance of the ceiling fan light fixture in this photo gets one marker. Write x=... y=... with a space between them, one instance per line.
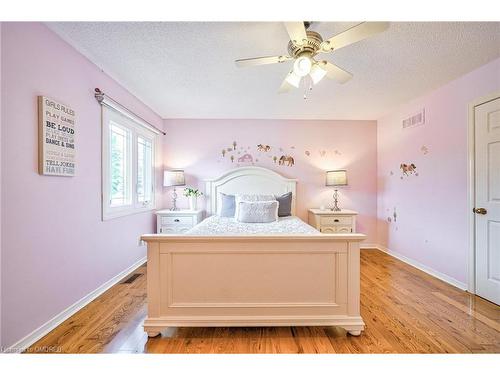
x=302 y=66
x=293 y=79
x=317 y=73
x=304 y=45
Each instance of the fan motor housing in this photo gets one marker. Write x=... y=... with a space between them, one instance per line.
x=314 y=40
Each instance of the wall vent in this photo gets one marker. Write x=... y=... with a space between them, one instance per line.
x=415 y=120
x=131 y=278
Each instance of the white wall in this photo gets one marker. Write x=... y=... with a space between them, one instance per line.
x=1 y=199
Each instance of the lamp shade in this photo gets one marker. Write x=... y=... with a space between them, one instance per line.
x=174 y=177
x=336 y=178
x=317 y=73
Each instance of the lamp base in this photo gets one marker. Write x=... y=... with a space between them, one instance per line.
x=174 y=201
x=336 y=201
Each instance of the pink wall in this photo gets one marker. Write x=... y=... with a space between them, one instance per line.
x=432 y=209
x=55 y=248
x=196 y=145
x=1 y=24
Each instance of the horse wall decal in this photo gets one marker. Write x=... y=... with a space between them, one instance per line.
x=263 y=148
x=286 y=159
x=408 y=168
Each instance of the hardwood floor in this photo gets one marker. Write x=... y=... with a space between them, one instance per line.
x=405 y=311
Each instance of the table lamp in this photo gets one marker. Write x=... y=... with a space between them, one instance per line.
x=336 y=178
x=174 y=177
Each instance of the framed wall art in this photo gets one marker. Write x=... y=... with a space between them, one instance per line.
x=56 y=138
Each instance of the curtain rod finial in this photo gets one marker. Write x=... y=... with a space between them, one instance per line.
x=99 y=95
x=106 y=100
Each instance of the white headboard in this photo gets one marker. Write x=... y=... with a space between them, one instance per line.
x=248 y=180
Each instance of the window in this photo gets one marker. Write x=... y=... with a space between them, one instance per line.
x=127 y=165
x=119 y=164
x=144 y=171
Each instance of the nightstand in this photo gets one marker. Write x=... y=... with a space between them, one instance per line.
x=328 y=221
x=176 y=222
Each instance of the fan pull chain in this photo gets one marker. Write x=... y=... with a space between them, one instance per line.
x=305 y=87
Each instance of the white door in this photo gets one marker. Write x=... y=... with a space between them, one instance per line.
x=487 y=204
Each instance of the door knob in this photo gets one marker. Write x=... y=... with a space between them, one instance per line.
x=480 y=211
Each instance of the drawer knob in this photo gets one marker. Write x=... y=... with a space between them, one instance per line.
x=336 y=220
x=176 y=220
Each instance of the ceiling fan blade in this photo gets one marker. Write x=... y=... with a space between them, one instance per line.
x=334 y=72
x=285 y=87
x=290 y=82
x=353 y=35
x=297 y=32
x=241 y=63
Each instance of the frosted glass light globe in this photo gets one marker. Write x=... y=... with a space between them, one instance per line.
x=302 y=66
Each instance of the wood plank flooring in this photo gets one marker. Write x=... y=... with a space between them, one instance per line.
x=405 y=311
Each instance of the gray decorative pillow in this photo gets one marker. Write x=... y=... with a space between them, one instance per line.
x=227 y=205
x=285 y=204
x=257 y=212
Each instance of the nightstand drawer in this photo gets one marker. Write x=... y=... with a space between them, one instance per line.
x=327 y=230
x=174 y=229
x=177 y=220
x=333 y=221
x=336 y=229
x=342 y=229
x=336 y=220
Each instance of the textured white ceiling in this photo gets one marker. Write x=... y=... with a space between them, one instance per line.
x=187 y=70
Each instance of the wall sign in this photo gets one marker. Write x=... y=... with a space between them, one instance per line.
x=56 y=138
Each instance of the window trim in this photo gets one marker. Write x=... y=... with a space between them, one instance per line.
x=128 y=160
x=147 y=140
x=136 y=128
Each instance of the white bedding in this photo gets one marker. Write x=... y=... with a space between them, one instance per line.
x=228 y=226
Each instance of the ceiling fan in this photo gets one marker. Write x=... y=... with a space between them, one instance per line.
x=305 y=45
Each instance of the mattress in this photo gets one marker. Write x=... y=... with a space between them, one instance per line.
x=228 y=226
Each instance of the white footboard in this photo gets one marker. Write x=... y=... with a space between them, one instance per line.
x=253 y=281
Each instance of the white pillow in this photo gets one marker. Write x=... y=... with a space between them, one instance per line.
x=257 y=212
x=255 y=197
x=251 y=198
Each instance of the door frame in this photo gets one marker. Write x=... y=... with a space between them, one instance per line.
x=471 y=187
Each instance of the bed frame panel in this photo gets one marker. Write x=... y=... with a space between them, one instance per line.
x=253 y=281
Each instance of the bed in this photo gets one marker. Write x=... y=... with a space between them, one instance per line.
x=225 y=226
x=224 y=273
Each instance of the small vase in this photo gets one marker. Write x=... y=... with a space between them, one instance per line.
x=193 y=203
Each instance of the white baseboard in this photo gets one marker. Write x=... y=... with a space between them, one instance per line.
x=365 y=246
x=38 y=333
x=439 y=275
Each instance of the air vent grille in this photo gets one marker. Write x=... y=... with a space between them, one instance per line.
x=414 y=120
x=131 y=278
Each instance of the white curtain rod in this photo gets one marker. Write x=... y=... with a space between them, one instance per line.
x=106 y=100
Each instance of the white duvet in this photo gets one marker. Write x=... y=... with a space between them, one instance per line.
x=228 y=226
